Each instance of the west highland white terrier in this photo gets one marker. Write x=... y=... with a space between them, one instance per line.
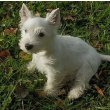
x=60 y=58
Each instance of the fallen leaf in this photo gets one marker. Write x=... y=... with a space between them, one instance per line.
x=37 y=14
x=69 y=18
x=10 y=31
x=24 y=56
x=21 y=91
x=4 y=54
x=50 y=10
x=99 y=90
x=41 y=93
x=98 y=46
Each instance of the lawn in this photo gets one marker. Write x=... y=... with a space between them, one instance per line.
x=21 y=90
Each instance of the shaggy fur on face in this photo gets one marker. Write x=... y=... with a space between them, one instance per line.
x=60 y=58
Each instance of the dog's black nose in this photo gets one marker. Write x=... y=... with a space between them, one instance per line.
x=28 y=46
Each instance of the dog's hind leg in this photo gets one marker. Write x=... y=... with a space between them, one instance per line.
x=81 y=82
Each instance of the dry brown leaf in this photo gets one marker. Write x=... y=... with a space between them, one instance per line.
x=69 y=18
x=37 y=14
x=21 y=91
x=41 y=93
x=99 y=90
x=24 y=56
x=98 y=46
x=10 y=31
x=50 y=10
x=4 y=54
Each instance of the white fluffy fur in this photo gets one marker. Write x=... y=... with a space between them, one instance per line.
x=60 y=58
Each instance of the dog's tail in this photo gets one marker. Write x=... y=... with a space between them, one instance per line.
x=105 y=57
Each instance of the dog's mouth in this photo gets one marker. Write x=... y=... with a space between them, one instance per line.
x=31 y=51
x=28 y=51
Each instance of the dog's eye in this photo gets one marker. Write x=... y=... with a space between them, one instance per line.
x=41 y=34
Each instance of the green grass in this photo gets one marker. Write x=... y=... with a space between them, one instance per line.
x=19 y=89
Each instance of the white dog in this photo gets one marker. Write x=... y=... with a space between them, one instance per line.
x=60 y=58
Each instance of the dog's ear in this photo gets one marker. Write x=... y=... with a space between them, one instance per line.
x=24 y=13
x=54 y=17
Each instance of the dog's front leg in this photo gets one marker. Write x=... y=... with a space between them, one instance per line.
x=53 y=84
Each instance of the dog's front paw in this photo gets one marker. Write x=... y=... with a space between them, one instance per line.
x=75 y=93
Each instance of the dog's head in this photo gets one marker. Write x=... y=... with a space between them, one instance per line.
x=37 y=33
